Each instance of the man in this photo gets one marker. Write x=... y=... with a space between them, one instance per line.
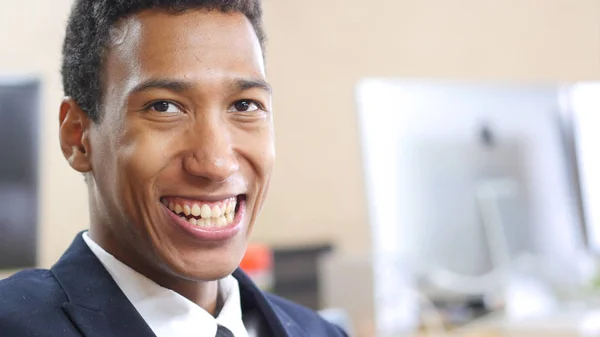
x=168 y=116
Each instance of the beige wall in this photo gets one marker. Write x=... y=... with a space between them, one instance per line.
x=31 y=35
x=317 y=51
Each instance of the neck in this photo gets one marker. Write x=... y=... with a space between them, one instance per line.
x=203 y=293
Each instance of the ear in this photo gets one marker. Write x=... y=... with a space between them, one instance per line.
x=74 y=131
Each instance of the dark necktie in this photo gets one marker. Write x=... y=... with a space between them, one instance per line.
x=223 y=332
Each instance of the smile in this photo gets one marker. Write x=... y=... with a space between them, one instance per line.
x=214 y=214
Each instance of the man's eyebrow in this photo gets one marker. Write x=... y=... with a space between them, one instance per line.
x=168 y=84
x=238 y=84
x=242 y=84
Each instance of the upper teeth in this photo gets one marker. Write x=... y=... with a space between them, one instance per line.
x=196 y=210
x=205 y=212
x=223 y=209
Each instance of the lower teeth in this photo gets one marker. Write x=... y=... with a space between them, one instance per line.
x=221 y=221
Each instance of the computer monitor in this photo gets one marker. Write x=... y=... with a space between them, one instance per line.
x=19 y=127
x=431 y=149
x=582 y=126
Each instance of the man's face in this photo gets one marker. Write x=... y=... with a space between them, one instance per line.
x=182 y=157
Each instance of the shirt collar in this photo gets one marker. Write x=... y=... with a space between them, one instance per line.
x=165 y=311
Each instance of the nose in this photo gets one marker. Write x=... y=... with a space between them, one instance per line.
x=211 y=154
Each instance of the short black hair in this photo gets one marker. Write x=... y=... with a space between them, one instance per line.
x=87 y=37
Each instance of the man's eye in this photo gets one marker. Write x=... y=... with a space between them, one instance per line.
x=164 y=106
x=244 y=106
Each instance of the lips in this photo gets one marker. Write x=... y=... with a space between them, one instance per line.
x=214 y=220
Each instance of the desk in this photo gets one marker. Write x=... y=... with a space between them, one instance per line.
x=563 y=324
x=573 y=323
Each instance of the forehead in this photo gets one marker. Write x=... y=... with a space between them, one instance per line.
x=195 y=45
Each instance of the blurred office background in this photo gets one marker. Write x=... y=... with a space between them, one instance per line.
x=435 y=161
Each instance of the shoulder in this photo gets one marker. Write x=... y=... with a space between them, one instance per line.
x=29 y=296
x=29 y=287
x=306 y=319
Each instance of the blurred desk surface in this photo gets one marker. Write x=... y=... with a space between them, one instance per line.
x=563 y=324
x=502 y=334
x=573 y=323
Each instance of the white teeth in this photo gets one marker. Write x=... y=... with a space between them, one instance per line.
x=205 y=212
x=187 y=210
x=216 y=211
x=216 y=216
x=183 y=218
x=196 y=210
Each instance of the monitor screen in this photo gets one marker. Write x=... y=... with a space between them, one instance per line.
x=19 y=125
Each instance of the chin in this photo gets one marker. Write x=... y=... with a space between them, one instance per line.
x=203 y=264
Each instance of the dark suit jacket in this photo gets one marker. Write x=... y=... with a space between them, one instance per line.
x=77 y=297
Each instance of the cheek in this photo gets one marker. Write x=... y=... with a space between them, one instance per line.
x=104 y=146
x=268 y=159
x=269 y=154
x=259 y=149
x=143 y=155
x=142 y=160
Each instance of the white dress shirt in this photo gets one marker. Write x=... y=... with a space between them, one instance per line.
x=166 y=312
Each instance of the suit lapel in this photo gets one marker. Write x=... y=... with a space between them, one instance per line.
x=96 y=305
x=278 y=321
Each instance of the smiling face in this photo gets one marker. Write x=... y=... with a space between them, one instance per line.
x=180 y=162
